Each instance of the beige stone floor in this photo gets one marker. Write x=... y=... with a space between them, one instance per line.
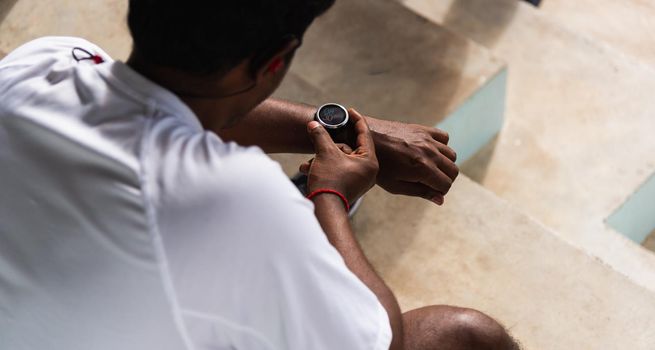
x=406 y=69
x=482 y=252
x=387 y=63
x=627 y=25
x=100 y=21
x=578 y=135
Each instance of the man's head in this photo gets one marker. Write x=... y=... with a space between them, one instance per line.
x=235 y=48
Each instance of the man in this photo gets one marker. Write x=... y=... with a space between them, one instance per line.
x=127 y=223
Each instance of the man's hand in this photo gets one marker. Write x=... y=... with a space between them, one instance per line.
x=337 y=167
x=415 y=160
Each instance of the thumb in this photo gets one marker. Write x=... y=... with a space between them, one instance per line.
x=304 y=167
x=320 y=137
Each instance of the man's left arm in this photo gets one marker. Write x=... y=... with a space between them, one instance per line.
x=415 y=160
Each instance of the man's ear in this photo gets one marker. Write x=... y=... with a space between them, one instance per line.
x=279 y=61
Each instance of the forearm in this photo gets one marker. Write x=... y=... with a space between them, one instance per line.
x=279 y=126
x=276 y=126
x=333 y=218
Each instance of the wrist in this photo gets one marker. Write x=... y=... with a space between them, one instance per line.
x=330 y=204
x=329 y=193
x=379 y=131
x=373 y=123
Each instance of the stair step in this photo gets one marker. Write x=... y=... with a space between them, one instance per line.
x=479 y=251
x=577 y=140
x=388 y=62
x=476 y=251
x=627 y=26
x=101 y=22
x=636 y=217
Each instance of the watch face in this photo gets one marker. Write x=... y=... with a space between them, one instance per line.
x=332 y=115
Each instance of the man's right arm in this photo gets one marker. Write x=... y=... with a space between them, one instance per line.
x=333 y=218
x=350 y=173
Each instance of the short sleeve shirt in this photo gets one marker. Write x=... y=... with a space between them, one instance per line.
x=125 y=225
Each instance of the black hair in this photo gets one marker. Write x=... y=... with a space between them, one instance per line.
x=213 y=36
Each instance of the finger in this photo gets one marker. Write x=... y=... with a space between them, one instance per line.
x=304 y=167
x=364 y=139
x=418 y=190
x=436 y=179
x=438 y=199
x=440 y=135
x=447 y=151
x=320 y=137
x=448 y=167
x=344 y=148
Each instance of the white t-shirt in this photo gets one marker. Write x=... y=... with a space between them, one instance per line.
x=124 y=225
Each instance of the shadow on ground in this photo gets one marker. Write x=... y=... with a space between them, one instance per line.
x=5 y=7
x=477 y=166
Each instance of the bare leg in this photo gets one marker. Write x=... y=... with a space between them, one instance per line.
x=453 y=328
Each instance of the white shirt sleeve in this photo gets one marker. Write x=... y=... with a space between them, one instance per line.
x=249 y=262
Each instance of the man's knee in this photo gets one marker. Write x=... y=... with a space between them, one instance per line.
x=447 y=327
x=478 y=330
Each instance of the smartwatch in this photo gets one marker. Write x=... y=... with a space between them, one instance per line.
x=335 y=119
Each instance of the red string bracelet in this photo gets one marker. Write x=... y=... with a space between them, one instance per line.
x=327 y=190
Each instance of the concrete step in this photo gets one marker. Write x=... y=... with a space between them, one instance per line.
x=102 y=22
x=577 y=140
x=627 y=26
x=477 y=251
x=387 y=62
x=480 y=251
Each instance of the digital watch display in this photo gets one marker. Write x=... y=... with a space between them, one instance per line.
x=334 y=118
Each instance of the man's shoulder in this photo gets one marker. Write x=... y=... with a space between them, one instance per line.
x=205 y=186
x=182 y=158
x=49 y=47
x=172 y=139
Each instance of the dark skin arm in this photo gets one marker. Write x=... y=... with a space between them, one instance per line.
x=275 y=126
x=352 y=173
x=414 y=159
x=333 y=218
